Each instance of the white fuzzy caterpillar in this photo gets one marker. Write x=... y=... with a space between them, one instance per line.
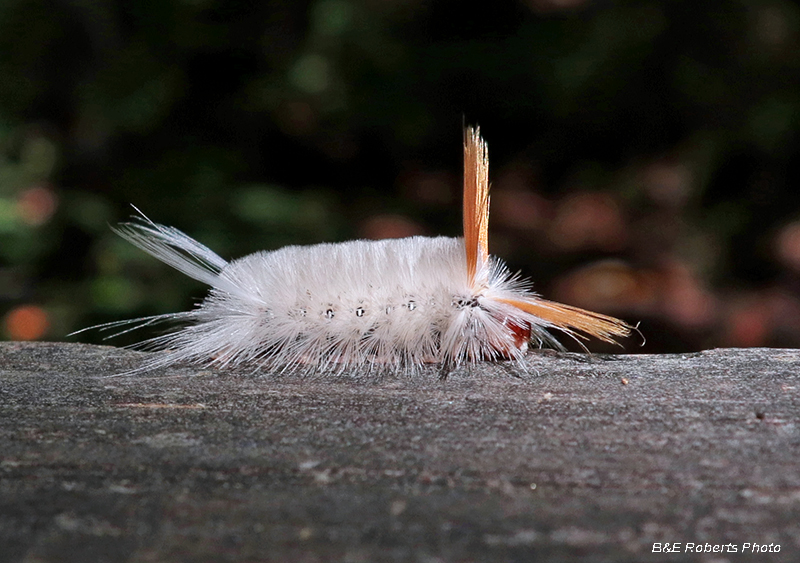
x=396 y=304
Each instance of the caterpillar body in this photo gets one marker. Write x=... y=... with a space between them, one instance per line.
x=394 y=304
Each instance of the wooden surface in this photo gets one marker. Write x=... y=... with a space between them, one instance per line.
x=588 y=458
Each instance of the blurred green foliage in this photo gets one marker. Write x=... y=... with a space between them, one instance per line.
x=251 y=125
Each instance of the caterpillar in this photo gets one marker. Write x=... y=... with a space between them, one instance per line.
x=397 y=304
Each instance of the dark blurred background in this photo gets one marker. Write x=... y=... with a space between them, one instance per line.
x=644 y=155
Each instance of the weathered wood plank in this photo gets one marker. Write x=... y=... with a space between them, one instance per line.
x=589 y=458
